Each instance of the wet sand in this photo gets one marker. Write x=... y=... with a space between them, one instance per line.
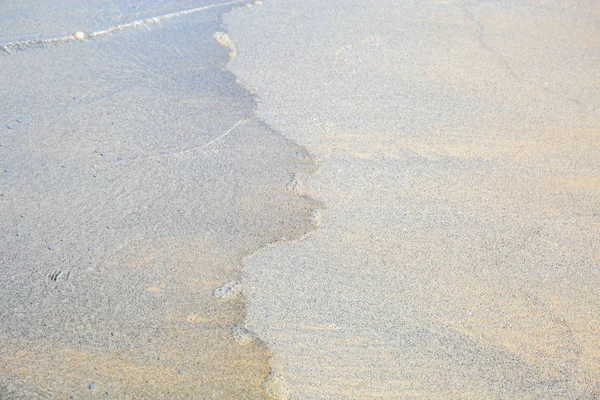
x=459 y=156
x=135 y=178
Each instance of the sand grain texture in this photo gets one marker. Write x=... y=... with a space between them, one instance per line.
x=459 y=158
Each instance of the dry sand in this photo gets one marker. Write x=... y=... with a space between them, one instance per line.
x=458 y=147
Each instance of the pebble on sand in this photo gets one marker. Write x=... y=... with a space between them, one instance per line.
x=316 y=218
x=242 y=335
x=23 y=118
x=224 y=40
x=53 y=247
x=228 y=291
x=12 y=126
x=79 y=35
x=92 y=386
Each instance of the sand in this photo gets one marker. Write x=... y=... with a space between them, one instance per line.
x=458 y=159
x=135 y=178
x=313 y=199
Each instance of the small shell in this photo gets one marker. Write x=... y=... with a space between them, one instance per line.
x=79 y=35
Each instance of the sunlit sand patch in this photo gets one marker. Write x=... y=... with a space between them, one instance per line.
x=330 y=327
x=200 y=286
x=156 y=289
x=197 y=319
x=80 y=368
x=583 y=182
x=144 y=260
x=502 y=315
x=489 y=145
x=167 y=368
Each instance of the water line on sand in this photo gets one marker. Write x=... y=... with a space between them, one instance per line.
x=11 y=47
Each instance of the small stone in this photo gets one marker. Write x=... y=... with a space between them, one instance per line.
x=22 y=119
x=114 y=333
x=79 y=35
x=53 y=247
x=92 y=248
x=228 y=291
x=224 y=40
x=182 y=372
x=8 y=170
x=12 y=126
x=242 y=335
x=258 y=3
x=295 y=184
x=92 y=386
x=316 y=219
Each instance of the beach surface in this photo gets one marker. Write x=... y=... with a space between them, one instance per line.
x=135 y=177
x=458 y=155
x=300 y=199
